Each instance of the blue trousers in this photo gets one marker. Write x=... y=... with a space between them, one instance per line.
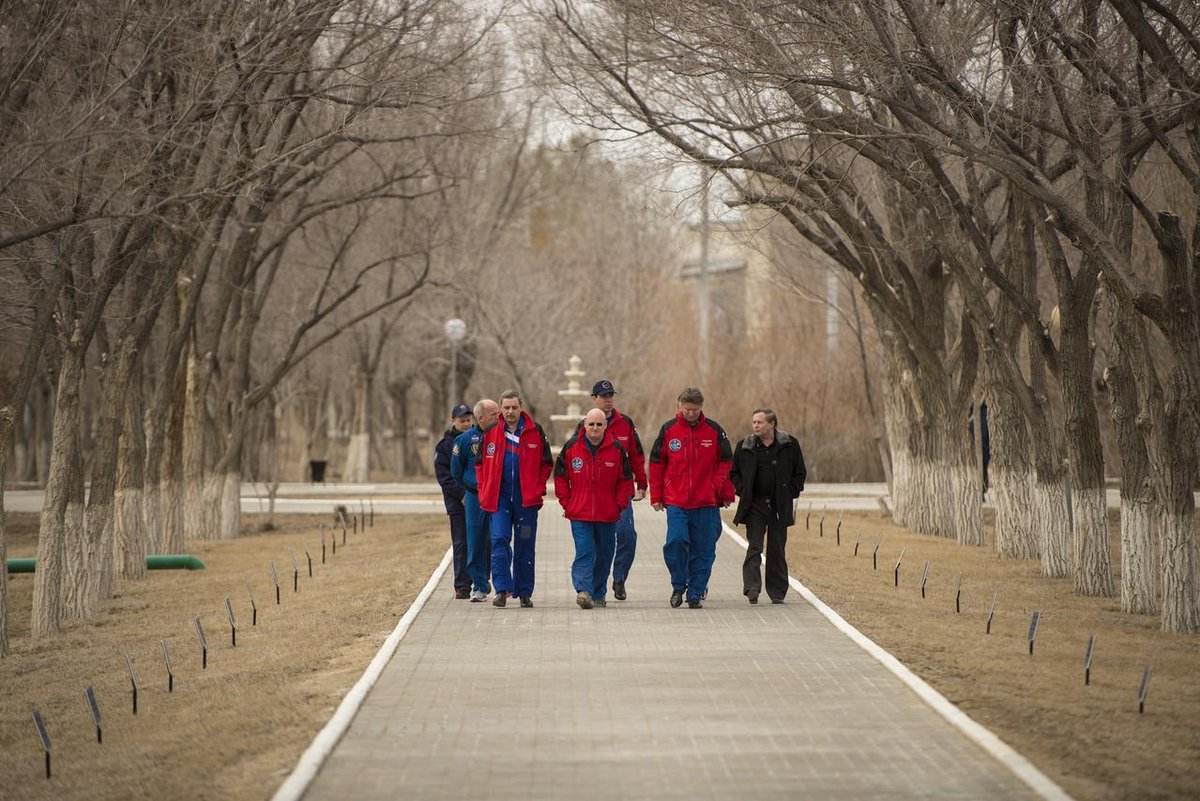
x=514 y=538
x=691 y=548
x=478 y=543
x=458 y=546
x=626 y=545
x=593 y=554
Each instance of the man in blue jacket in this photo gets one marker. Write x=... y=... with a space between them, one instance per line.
x=462 y=469
x=452 y=496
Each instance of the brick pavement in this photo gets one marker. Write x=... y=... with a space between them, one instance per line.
x=643 y=701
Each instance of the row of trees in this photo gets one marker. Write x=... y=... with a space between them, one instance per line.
x=197 y=196
x=1008 y=182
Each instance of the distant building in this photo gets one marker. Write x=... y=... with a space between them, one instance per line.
x=762 y=276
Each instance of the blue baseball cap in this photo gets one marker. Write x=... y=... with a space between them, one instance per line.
x=603 y=387
x=461 y=410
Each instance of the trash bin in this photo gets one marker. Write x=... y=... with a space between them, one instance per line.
x=316 y=470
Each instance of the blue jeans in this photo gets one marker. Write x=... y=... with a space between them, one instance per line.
x=514 y=537
x=691 y=548
x=626 y=545
x=593 y=555
x=478 y=535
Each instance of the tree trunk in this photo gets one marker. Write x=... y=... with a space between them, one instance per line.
x=43 y=434
x=1093 y=568
x=94 y=572
x=171 y=492
x=197 y=517
x=1139 y=588
x=7 y=423
x=1011 y=474
x=1139 y=509
x=358 y=455
x=131 y=536
x=64 y=455
x=958 y=484
x=1050 y=499
x=231 y=504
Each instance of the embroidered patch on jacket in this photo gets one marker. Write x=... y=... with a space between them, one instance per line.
x=491 y=449
x=576 y=464
x=674 y=445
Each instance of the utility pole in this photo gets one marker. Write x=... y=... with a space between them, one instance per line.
x=705 y=180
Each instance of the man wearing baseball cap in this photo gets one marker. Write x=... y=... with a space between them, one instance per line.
x=622 y=431
x=452 y=496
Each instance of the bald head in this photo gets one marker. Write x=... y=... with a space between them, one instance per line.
x=594 y=425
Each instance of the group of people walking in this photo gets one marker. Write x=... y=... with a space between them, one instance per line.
x=494 y=462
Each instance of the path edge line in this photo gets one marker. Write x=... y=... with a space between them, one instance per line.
x=1025 y=770
x=323 y=744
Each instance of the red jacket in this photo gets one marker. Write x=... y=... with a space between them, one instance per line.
x=533 y=460
x=689 y=465
x=593 y=488
x=624 y=432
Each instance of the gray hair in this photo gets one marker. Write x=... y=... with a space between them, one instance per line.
x=481 y=406
x=692 y=395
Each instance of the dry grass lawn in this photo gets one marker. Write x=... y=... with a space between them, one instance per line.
x=236 y=729
x=1090 y=739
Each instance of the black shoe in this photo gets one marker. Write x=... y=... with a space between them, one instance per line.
x=600 y=602
x=619 y=590
x=695 y=604
x=676 y=599
x=462 y=593
x=526 y=602
x=776 y=600
x=753 y=598
x=500 y=600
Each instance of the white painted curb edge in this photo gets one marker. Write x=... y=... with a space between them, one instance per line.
x=322 y=745
x=985 y=739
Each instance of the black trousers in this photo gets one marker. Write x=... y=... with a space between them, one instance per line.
x=458 y=542
x=762 y=524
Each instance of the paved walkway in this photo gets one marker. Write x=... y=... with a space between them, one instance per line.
x=643 y=701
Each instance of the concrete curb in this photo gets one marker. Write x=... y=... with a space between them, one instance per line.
x=985 y=739
x=322 y=745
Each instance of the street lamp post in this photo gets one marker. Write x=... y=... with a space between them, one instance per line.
x=456 y=331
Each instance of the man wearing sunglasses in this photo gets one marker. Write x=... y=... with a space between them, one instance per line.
x=593 y=480
x=624 y=433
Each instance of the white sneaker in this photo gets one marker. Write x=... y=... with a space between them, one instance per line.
x=478 y=596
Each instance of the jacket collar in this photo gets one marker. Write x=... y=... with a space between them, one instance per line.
x=782 y=437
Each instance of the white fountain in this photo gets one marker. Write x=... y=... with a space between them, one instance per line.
x=564 y=424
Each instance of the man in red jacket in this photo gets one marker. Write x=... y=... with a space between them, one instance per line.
x=593 y=480
x=512 y=468
x=624 y=432
x=689 y=477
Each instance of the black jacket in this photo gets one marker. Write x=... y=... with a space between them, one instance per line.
x=452 y=491
x=789 y=476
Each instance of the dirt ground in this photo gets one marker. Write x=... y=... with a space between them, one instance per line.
x=1090 y=739
x=235 y=729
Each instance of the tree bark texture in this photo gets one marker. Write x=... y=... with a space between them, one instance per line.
x=1050 y=498
x=130 y=531
x=1139 y=570
x=1093 y=566
x=7 y=423
x=48 y=580
x=1011 y=476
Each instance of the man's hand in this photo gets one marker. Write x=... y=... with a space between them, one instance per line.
x=639 y=494
x=658 y=507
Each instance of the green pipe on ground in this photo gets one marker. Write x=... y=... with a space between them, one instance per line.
x=165 y=561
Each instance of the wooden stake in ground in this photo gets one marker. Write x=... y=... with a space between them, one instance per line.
x=44 y=736
x=90 y=696
x=132 y=682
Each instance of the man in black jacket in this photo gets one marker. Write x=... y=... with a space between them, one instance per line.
x=452 y=495
x=768 y=474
